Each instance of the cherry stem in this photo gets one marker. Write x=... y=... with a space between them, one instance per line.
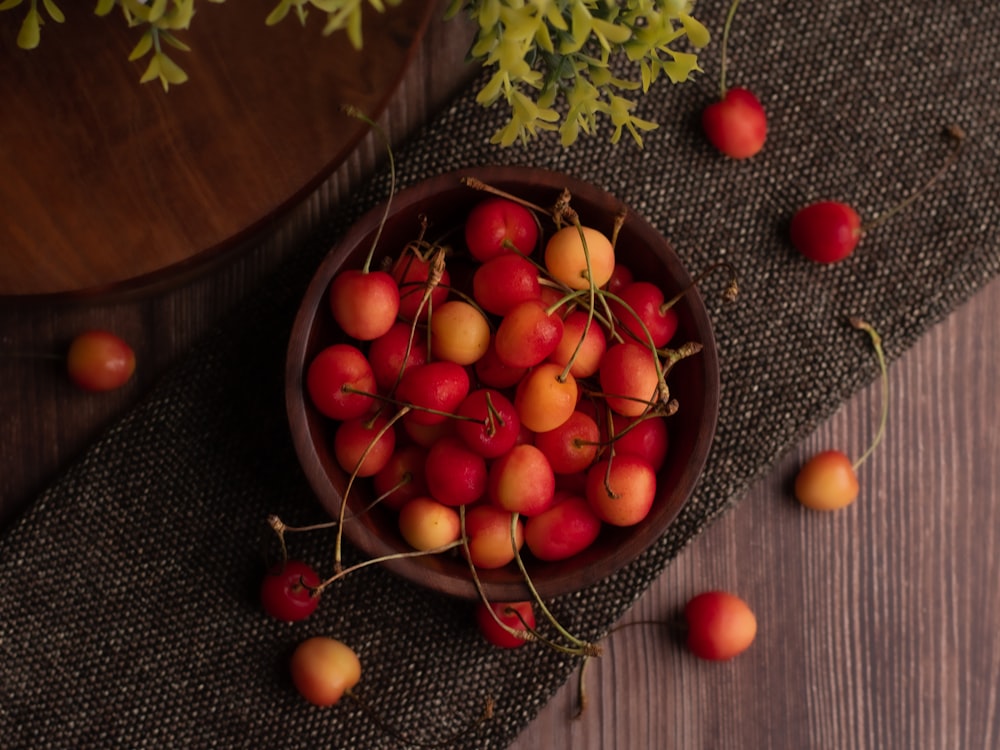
x=527 y=634
x=358 y=114
x=955 y=133
x=880 y=354
x=580 y=646
x=338 y=544
x=343 y=572
x=725 y=44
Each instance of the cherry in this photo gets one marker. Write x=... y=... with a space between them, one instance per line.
x=413 y=273
x=340 y=382
x=528 y=334
x=364 y=303
x=494 y=372
x=641 y=309
x=565 y=529
x=427 y=524
x=364 y=445
x=460 y=333
x=522 y=481
x=828 y=480
x=720 y=625
x=630 y=378
x=621 y=489
x=826 y=232
x=583 y=343
x=545 y=397
x=518 y=616
x=286 y=591
x=99 y=361
x=498 y=225
x=488 y=531
x=829 y=231
x=577 y=256
x=455 y=474
x=403 y=477
x=391 y=353
x=437 y=388
x=323 y=669
x=572 y=446
x=736 y=124
x=504 y=281
x=491 y=426
x=646 y=436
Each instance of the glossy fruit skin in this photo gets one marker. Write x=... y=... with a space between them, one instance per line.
x=827 y=481
x=736 y=125
x=720 y=625
x=497 y=225
x=285 y=591
x=508 y=614
x=566 y=259
x=331 y=370
x=826 y=232
x=364 y=304
x=323 y=669
x=99 y=361
x=564 y=530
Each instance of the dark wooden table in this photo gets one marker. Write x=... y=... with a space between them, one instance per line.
x=879 y=625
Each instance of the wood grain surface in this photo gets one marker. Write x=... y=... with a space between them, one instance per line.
x=879 y=625
x=109 y=182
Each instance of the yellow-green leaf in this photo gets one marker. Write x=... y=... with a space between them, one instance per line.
x=696 y=32
x=144 y=45
x=278 y=14
x=53 y=10
x=152 y=70
x=30 y=33
x=8 y=4
x=170 y=71
x=104 y=7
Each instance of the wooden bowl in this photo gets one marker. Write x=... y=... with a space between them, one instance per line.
x=445 y=201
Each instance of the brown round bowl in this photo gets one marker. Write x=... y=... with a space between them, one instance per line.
x=694 y=382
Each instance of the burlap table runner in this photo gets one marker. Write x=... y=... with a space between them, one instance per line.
x=128 y=614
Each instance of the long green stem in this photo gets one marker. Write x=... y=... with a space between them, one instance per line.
x=725 y=45
x=880 y=354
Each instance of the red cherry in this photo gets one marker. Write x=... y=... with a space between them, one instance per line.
x=510 y=614
x=286 y=591
x=498 y=225
x=99 y=361
x=826 y=232
x=736 y=125
x=720 y=625
x=364 y=303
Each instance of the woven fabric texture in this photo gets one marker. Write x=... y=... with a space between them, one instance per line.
x=129 y=616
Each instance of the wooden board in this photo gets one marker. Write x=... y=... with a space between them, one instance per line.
x=106 y=183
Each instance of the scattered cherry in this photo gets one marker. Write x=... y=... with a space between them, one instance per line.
x=737 y=123
x=99 y=361
x=829 y=231
x=828 y=480
x=286 y=591
x=323 y=669
x=518 y=616
x=720 y=625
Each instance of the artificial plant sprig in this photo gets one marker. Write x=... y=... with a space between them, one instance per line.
x=545 y=51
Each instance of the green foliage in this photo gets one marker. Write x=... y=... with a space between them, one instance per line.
x=156 y=21
x=547 y=52
x=556 y=63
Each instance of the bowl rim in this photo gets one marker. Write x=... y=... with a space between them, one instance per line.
x=644 y=536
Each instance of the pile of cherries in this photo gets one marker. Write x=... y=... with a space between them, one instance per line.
x=535 y=400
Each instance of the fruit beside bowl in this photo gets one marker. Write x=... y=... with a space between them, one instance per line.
x=434 y=213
